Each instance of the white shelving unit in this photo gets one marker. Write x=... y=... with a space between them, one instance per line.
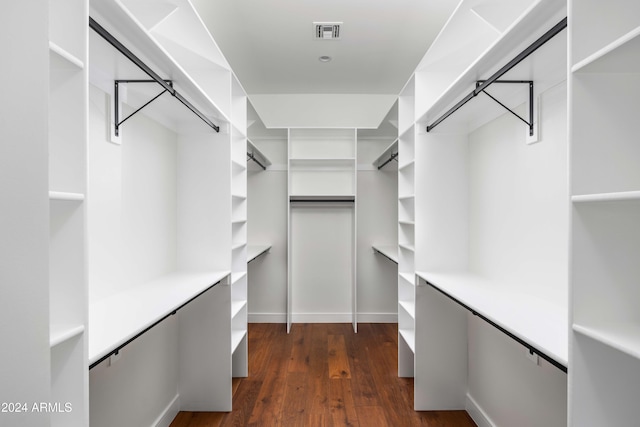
x=177 y=244
x=406 y=230
x=68 y=49
x=322 y=227
x=447 y=234
x=605 y=241
x=239 y=306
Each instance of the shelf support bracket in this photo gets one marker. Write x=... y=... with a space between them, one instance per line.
x=528 y=82
x=116 y=105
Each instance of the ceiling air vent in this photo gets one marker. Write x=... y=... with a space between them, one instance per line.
x=327 y=30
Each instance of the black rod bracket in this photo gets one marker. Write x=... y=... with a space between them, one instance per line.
x=116 y=104
x=555 y=30
x=529 y=123
x=102 y=32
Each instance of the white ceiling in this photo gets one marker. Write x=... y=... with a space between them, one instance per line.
x=271 y=47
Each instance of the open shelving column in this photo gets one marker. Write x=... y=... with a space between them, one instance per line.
x=322 y=183
x=406 y=230
x=604 y=379
x=68 y=49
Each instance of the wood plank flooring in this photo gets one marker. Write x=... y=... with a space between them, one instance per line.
x=323 y=375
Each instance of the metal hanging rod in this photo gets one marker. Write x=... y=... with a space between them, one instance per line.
x=531 y=348
x=515 y=61
x=393 y=156
x=322 y=199
x=252 y=157
x=168 y=87
x=138 y=335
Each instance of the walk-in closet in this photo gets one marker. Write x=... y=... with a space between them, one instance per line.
x=345 y=213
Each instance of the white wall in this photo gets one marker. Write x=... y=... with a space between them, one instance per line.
x=24 y=236
x=377 y=223
x=322 y=110
x=518 y=211
x=267 y=224
x=132 y=238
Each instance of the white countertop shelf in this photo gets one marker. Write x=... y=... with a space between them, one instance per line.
x=254 y=251
x=540 y=324
x=118 y=319
x=388 y=251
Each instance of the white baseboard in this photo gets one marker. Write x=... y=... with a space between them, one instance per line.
x=477 y=413
x=267 y=318
x=169 y=413
x=322 y=318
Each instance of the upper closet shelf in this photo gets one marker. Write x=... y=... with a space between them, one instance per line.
x=257 y=156
x=117 y=320
x=539 y=325
x=621 y=56
x=388 y=251
x=389 y=155
x=208 y=90
x=254 y=251
x=532 y=49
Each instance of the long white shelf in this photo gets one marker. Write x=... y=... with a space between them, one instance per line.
x=254 y=251
x=61 y=333
x=538 y=323
x=618 y=56
x=624 y=337
x=120 y=318
x=624 y=196
x=388 y=251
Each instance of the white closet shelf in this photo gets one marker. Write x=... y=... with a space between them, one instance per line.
x=545 y=67
x=239 y=221
x=65 y=196
x=622 y=336
x=61 y=333
x=239 y=166
x=409 y=337
x=237 y=276
x=254 y=251
x=623 y=196
x=118 y=319
x=540 y=324
x=388 y=251
x=388 y=155
x=239 y=196
x=619 y=56
x=108 y=65
x=237 y=306
x=406 y=165
x=406 y=197
x=67 y=56
x=236 y=339
x=407 y=277
x=410 y=223
x=407 y=247
x=409 y=307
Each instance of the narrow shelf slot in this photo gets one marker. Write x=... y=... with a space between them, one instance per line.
x=407 y=247
x=62 y=53
x=409 y=307
x=237 y=276
x=236 y=339
x=236 y=307
x=407 y=277
x=409 y=337
x=66 y=196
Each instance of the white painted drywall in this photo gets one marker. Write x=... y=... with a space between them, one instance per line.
x=24 y=235
x=322 y=110
x=518 y=211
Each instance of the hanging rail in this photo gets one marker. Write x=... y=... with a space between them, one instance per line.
x=394 y=156
x=322 y=199
x=166 y=84
x=484 y=84
x=531 y=348
x=252 y=157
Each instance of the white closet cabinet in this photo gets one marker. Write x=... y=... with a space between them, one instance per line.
x=482 y=214
x=604 y=380
x=167 y=216
x=322 y=226
x=67 y=193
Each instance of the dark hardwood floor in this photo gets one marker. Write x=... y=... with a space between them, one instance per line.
x=323 y=375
